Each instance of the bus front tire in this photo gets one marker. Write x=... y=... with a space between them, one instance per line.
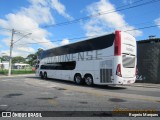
x=41 y=75
x=78 y=79
x=89 y=80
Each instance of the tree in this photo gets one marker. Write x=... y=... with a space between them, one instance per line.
x=31 y=58
x=18 y=59
x=4 y=58
x=38 y=53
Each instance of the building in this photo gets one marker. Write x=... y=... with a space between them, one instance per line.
x=20 y=66
x=5 y=65
x=148 y=61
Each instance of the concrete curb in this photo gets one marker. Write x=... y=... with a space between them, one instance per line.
x=146 y=85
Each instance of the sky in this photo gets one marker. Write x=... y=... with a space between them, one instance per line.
x=50 y=23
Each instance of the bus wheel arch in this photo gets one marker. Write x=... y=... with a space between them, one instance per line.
x=45 y=75
x=78 y=78
x=41 y=75
x=88 y=79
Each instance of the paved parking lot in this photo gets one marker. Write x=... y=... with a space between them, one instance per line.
x=28 y=93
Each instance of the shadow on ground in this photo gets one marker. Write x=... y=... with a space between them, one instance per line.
x=72 y=83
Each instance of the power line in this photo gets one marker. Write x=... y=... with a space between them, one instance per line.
x=141 y=23
x=15 y=31
x=122 y=8
x=58 y=40
x=6 y=29
x=146 y=27
x=21 y=34
x=98 y=14
x=143 y=28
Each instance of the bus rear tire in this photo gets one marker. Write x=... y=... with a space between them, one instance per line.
x=78 y=79
x=89 y=80
x=45 y=75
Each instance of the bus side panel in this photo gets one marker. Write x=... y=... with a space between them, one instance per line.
x=85 y=67
x=101 y=70
x=96 y=72
x=66 y=75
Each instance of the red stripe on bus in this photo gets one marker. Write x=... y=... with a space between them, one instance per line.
x=117 y=43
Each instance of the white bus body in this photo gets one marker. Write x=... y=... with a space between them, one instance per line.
x=105 y=60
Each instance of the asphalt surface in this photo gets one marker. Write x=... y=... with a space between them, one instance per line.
x=28 y=93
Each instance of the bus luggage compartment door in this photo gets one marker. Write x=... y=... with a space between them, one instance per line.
x=106 y=71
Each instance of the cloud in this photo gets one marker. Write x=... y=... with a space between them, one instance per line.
x=106 y=23
x=22 y=22
x=15 y=53
x=39 y=11
x=18 y=50
x=26 y=49
x=65 y=41
x=157 y=22
x=28 y=20
x=60 y=9
x=41 y=2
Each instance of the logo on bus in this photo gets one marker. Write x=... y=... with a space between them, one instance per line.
x=81 y=56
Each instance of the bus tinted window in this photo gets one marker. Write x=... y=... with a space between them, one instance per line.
x=87 y=45
x=128 y=61
x=60 y=66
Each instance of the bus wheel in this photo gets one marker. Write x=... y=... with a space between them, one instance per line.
x=89 y=80
x=45 y=75
x=41 y=75
x=78 y=79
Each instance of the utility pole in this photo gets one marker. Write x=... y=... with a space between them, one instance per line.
x=10 y=59
x=11 y=48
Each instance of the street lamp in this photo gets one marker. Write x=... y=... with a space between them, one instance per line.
x=11 y=48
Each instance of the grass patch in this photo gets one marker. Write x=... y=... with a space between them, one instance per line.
x=17 y=71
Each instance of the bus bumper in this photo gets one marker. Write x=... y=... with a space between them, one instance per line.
x=124 y=81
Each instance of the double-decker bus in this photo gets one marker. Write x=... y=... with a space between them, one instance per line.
x=105 y=60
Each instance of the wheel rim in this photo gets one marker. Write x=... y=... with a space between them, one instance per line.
x=78 y=79
x=88 y=81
